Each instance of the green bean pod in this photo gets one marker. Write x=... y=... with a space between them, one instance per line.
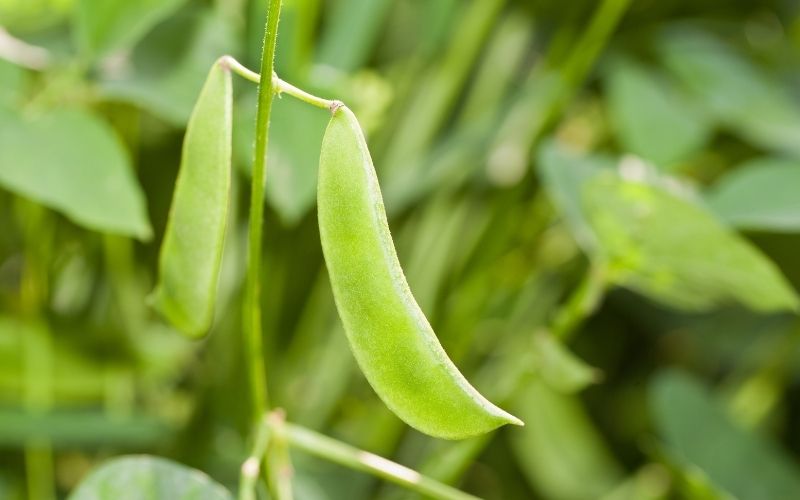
x=191 y=252
x=389 y=335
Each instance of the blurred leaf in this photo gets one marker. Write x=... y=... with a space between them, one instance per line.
x=68 y=429
x=32 y=15
x=762 y=194
x=745 y=464
x=350 y=33
x=72 y=161
x=103 y=26
x=148 y=478
x=291 y=184
x=651 y=482
x=297 y=37
x=12 y=83
x=294 y=157
x=559 y=449
x=675 y=252
x=743 y=96
x=171 y=95
x=72 y=284
x=650 y=118
x=559 y=367
x=72 y=376
x=563 y=174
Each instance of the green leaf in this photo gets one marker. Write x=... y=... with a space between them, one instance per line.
x=697 y=430
x=741 y=95
x=674 y=251
x=651 y=119
x=559 y=443
x=171 y=95
x=191 y=253
x=148 y=478
x=73 y=376
x=559 y=367
x=656 y=239
x=294 y=158
x=291 y=185
x=26 y=16
x=563 y=174
x=103 y=26
x=351 y=31
x=12 y=83
x=72 y=161
x=762 y=194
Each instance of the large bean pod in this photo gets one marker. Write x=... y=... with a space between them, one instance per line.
x=390 y=337
x=190 y=257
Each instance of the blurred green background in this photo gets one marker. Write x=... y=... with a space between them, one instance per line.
x=596 y=203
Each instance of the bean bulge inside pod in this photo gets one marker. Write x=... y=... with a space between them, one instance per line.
x=389 y=335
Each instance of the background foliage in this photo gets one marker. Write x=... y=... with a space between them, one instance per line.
x=597 y=204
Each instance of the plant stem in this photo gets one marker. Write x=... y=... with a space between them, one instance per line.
x=755 y=396
x=23 y=54
x=37 y=350
x=287 y=88
x=349 y=456
x=279 y=464
x=240 y=69
x=279 y=86
x=252 y=465
x=253 y=341
x=581 y=303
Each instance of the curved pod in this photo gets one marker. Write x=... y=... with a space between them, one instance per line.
x=390 y=337
x=191 y=254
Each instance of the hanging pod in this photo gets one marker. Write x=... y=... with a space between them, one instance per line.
x=191 y=253
x=389 y=335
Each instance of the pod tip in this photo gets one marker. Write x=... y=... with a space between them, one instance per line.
x=515 y=421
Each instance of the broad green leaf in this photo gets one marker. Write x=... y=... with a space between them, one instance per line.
x=191 y=253
x=559 y=367
x=699 y=433
x=746 y=98
x=171 y=94
x=560 y=450
x=72 y=161
x=674 y=251
x=762 y=194
x=103 y=26
x=563 y=174
x=651 y=119
x=148 y=478
x=12 y=82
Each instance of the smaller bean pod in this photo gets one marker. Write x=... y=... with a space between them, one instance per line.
x=191 y=253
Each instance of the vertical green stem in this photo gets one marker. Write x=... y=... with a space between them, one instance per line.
x=252 y=303
x=37 y=350
x=252 y=466
x=279 y=464
x=581 y=303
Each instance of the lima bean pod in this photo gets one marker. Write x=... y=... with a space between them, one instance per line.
x=191 y=252
x=390 y=337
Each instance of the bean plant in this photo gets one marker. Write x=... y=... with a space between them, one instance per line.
x=583 y=198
